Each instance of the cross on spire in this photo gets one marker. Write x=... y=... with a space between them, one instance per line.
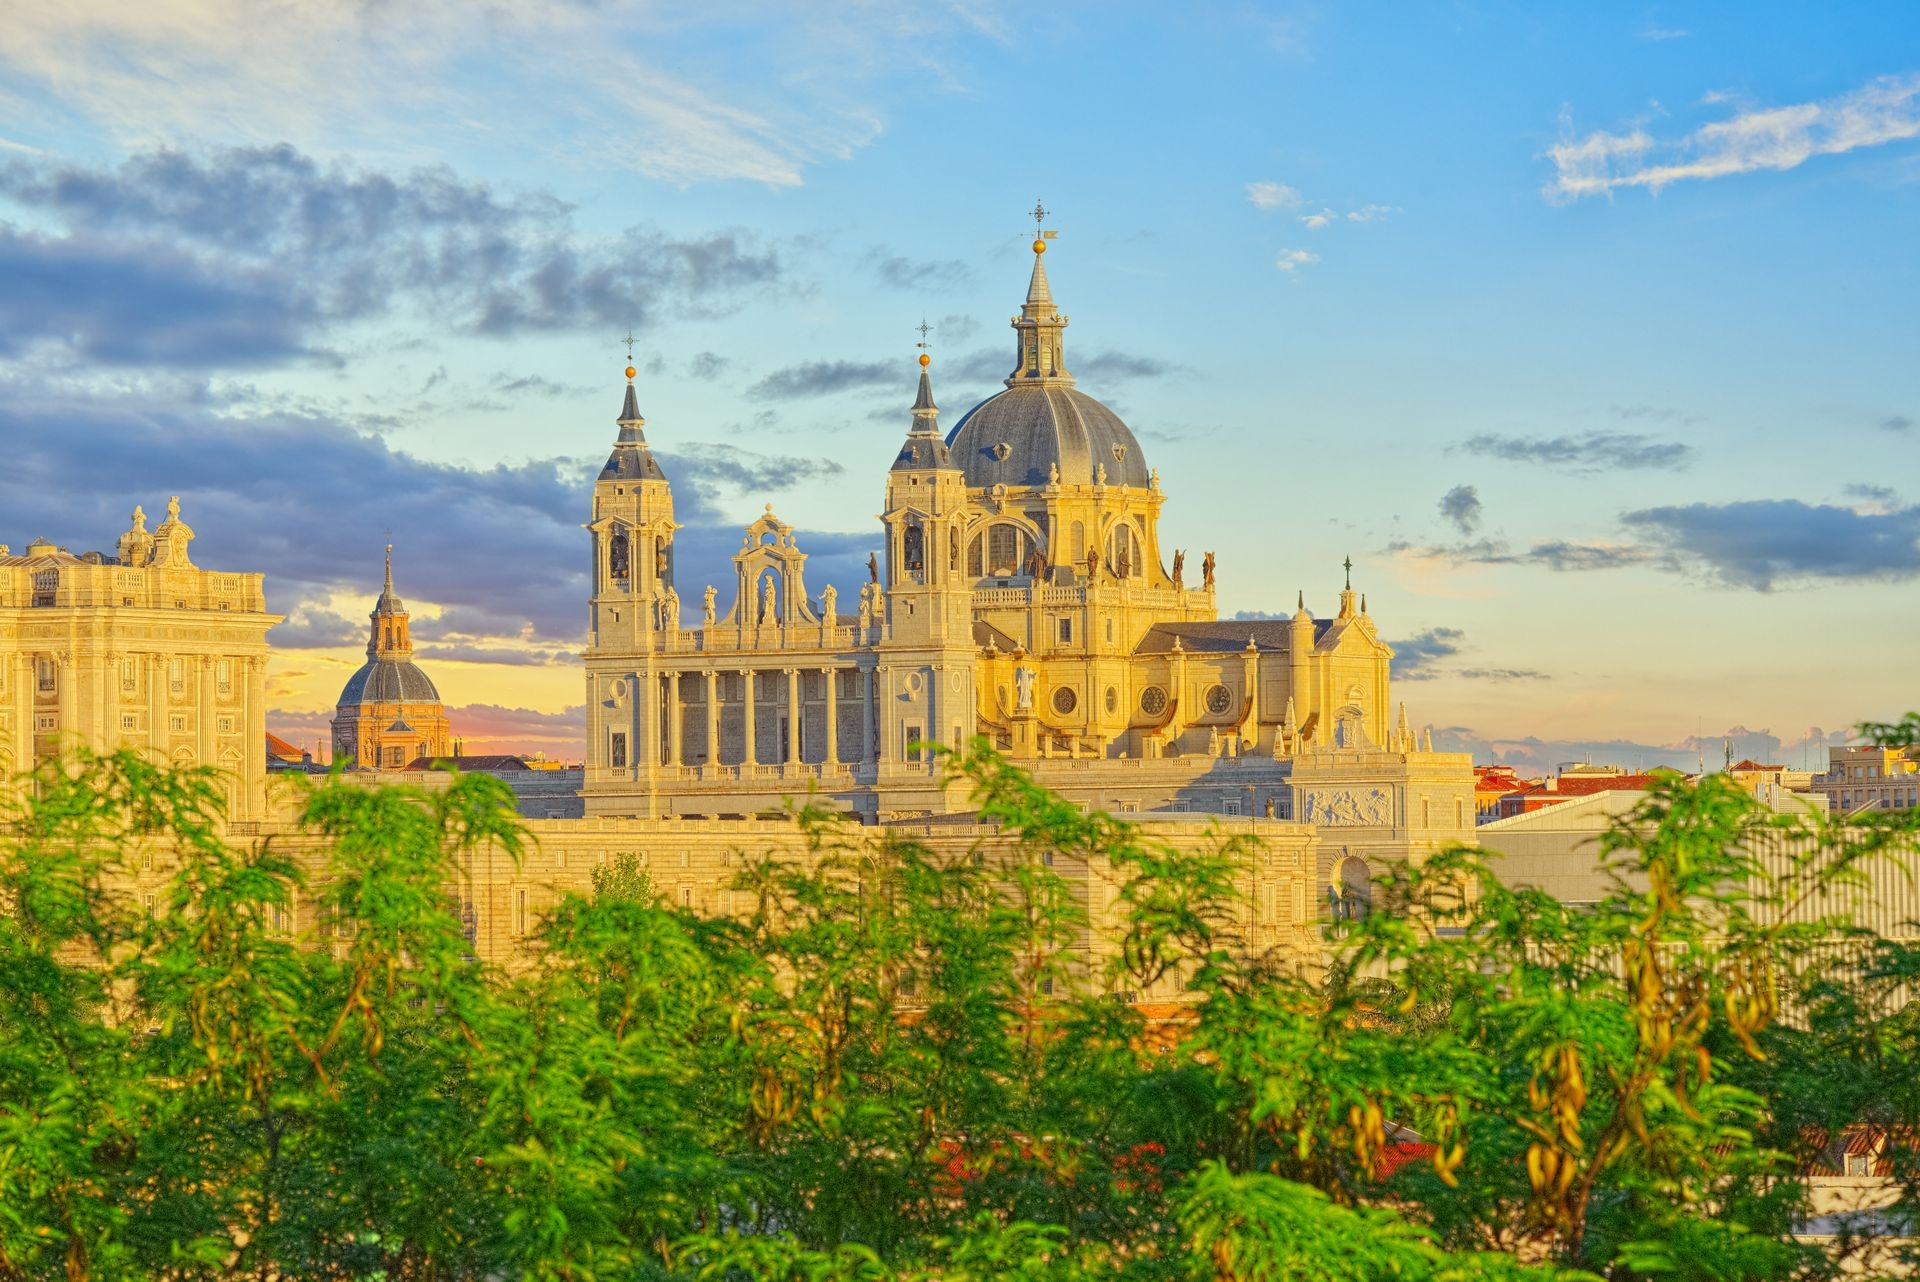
x=1347 y=565
x=630 y=341
x=1038 y=214
x=923 y=329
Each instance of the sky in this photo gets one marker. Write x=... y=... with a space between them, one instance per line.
x=1587 y=331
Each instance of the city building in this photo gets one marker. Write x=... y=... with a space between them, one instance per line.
x=140 y=648
x=1022 y=591
x=389 y=711
x=1869 y=778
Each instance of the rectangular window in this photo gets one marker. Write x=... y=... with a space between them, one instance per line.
x=686 y=896
x=1230 y=808
x=129 y=674
x=519 y=911
x=177 y=675
x=1066 y=632
x=396 y=757
x=43 y=669
x=914 y=735
x=226 y=725
x=224 y=676
x=129 y=722
x=46 y=585
x=177 y=724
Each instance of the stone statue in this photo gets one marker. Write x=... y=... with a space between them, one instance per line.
x=670 y=611
x=1206 y=570
x=1123 y=564
x=866 y=607
x=709 y=596
x=173 y=508
x=1093 y=564
x=873 y=567
x=1213 y=741
x=1269 y=807
x=660 y=560
x=1036 y=564
x=1179 y=567
x=829 y=598
x=1023 y=679
x=767 y=614
x=1053 y=474
x=953 y=549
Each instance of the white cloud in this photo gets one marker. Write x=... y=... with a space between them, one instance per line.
x=1371 y=213
x=1665 y=33
x=1291 y=259
x=620 y=83
x=1266 y=195
x=1314 y=222
x=1773 y=138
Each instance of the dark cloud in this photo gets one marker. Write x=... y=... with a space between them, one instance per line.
x=507 y=655
x=1120 y=366
x=1418 y=658
x=1461 y=505
x=1872 y=493
x=500 y=547
x=1501 y=674
x=929 y=274
x=1257 y=614
x=1758 y=543
x=248 y=256
x=824 y=378
x=954 y=328
x=1653 y=413
x=705 y=367
x=311 y=627
x=1897 y=423
x=1594 y=452
x=1554 y=554
x=536 y=385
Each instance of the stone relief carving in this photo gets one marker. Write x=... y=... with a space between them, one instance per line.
x=1347 y=807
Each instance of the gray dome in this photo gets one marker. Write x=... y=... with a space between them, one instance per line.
x=388 y=681
x=1014 y=437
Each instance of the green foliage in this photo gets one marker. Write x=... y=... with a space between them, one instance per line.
x=287 y=1061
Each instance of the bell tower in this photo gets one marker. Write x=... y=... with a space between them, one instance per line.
x=633 y=530
x=928 y=596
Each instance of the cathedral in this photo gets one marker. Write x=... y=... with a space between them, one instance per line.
x=389 y=711
x=1022 y=592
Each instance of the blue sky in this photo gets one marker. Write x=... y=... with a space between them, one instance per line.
x=1588 y=331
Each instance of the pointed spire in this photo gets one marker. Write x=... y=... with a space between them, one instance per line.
x=1347 y=610
x=389 y=591
x=1300 y=612
x=925 y=448
x=631 y=459
x=1041 y=356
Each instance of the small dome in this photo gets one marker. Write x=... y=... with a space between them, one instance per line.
x=388 y=681
x=1017 y=436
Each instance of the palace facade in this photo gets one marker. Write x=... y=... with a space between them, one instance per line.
x=135 y=648
x=1023 y=592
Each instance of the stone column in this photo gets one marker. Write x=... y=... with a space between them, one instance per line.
x=675 y=756
x=65 y=674
x=713 y=717
x=832 y=757
x=747 y=757
x=207 y=749
x=158 y=675
x=869 y=729
x=793 y=715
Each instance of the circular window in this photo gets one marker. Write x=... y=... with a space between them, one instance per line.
x=1065 y=700
x=1153 y=701
x=1219 y=699
x=1113 y=699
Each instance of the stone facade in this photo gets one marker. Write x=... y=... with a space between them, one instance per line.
x=1023 y=593
x=140 y=648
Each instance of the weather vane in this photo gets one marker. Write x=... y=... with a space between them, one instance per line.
x=1039 y=216
x=1347 y=565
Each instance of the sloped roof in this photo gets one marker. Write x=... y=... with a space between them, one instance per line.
x=1225 y=635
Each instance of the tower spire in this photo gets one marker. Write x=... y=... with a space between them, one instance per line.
x=925 y=447
x=1040 y=358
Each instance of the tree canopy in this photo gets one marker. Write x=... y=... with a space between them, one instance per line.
x=895 y=1065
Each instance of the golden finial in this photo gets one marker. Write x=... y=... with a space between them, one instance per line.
x=925 y=360
x=630 y=373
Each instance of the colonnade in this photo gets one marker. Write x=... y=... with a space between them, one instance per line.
x=671 y=707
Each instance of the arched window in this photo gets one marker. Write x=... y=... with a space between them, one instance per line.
x=1123 y=552
x=619 y=556
x=1006 y=548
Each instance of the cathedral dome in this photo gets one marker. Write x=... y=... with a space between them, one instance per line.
x=1019 y=436
x=388 y=680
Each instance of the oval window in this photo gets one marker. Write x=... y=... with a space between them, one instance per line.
x=1113 y=699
